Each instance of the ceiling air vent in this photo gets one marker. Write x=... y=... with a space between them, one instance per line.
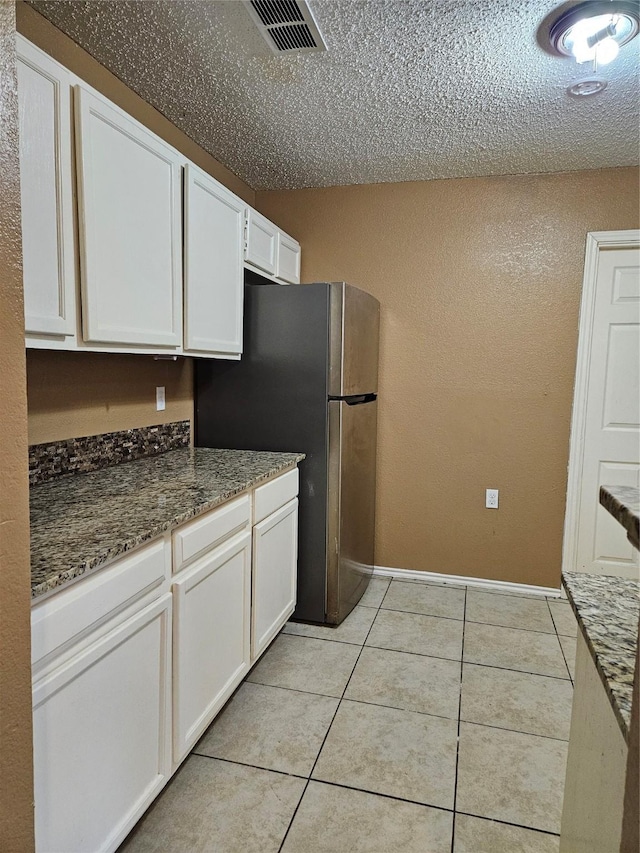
x=287 y=26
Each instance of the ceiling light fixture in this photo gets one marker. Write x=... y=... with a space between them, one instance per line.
x=595 y=31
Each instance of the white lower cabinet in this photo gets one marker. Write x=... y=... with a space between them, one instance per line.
x=275 y=559
x=102 y=735
x=212 y=602
x=128 y=675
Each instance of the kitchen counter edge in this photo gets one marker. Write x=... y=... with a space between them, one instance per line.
x=83 y=522
x=607 y=609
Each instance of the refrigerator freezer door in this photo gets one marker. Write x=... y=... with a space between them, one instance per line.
x=353 y=344
x=352 y=497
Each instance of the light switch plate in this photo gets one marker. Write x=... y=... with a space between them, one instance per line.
x=160 y=398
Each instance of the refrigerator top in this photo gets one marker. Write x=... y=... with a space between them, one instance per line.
x=354 y=323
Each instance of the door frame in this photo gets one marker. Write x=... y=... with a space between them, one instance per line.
x=596 y=240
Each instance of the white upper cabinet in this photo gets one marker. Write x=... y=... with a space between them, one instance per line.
x=288 y=259
x=213 y=266
x=262 y=242
x=126 y=236
x=46 y=193
x=129 y=210
x=271 y=250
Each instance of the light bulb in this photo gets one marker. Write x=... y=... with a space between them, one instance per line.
x=584 y=38
x=581 y=50
x=606 y=51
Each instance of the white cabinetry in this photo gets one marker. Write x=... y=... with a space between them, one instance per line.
x=127 y=676
x=127 y=236
x=262 y=242
x=271 y=250
x=129 y=200
x=46 y=194
x=275 y=558
x=288 y=268
x=212 y=607
x=102 y=709
x=213 y=266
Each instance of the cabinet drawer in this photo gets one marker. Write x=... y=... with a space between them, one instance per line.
x=194 y=538
x=70 y=614
x=274 y=494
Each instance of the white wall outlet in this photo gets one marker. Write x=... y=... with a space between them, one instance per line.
x=160 y=398
x=491 y=501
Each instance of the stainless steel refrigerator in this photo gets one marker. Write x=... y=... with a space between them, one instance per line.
x=308 y=381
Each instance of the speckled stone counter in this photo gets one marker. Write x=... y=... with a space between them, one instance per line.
x=79 y=523
x=607 y=609
x=623 y=502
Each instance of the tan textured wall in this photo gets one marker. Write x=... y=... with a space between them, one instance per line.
x=16 y=773
x=75 y=394
x=479 y=281
x=83 y=394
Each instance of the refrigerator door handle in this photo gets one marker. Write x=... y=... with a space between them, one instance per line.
x=356 y=399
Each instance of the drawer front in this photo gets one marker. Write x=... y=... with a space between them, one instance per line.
x=194 y=538
x=274 y=494
x=67 y=616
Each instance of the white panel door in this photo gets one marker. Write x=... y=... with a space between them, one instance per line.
x=275 y=562
x=101 y=735
x=212 y=603
x=44 y=98
x=288 y=259
x=611 y=454
x=262 y=242
x=213 y=264
x=129 y=200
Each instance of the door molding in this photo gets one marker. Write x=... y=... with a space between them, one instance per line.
x=596 y=240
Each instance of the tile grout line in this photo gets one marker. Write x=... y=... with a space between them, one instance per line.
x=472 y=621
x=295 y=812
x=564 y=657
x=247 y=764
x=438 y=657
x=510 y=823
x=413 y=710
x=455 y=783
x=432 y=806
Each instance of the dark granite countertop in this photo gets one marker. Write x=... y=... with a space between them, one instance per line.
x=81 y=522
x=607 y=609
x=623 y=502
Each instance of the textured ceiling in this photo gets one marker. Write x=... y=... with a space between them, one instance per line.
x=408 y=90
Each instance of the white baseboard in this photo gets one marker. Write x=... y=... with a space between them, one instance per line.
x=458 y=580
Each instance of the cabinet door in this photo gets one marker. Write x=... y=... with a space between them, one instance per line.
x=214 y=222
x=262 y=242
x=275 y=561
x=212 y=603
x=44 y=98
x=102 y=736
x=288 y=259
x=129 y=203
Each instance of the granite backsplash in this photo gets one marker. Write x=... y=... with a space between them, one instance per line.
x=93 y=452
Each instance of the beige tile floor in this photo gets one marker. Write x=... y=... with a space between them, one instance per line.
x=435 y=719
